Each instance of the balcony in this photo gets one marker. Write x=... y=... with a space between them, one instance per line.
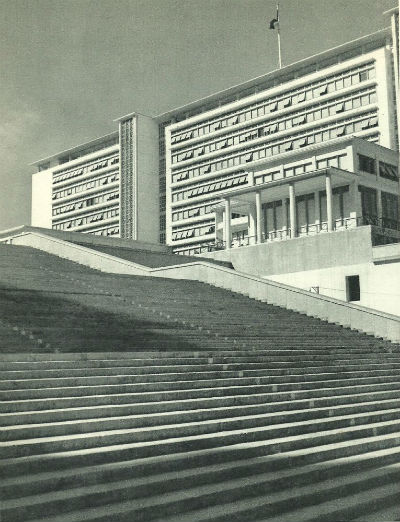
x=384 y=231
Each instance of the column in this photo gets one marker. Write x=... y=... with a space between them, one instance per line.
x=292 y=210
x=317 y=211
x=355 y=202
x=379 y=205
x=227 y=228
x=286 y=226
x=258 y=217
x=329 y=213
x=218 y=219
x=252 y=224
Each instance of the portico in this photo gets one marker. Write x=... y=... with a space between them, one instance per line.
x=313 y=202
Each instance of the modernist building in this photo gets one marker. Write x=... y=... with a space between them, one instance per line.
x=322 y=188
x=289 y=114
x=162 y=178
x=108 y=186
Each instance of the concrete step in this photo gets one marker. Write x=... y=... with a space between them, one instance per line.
x=254 y=413
x=172 y=472
x=258 y=376
x=207 y=465
x=181 y=395
x=242 y=428
x=243 y=441
x=361 y=503
x=331 y=499
x=233 y=430
x=214 y=422
x=273 y=367
x=164 y=507
x=245 y=382
x=284 y=356
x=212 y=484
x=216 y=403
x=31 y=360
x=386 y=514
x=279 y=355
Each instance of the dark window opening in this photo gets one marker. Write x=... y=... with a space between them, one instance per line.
x=366 y=164
x=353 y=288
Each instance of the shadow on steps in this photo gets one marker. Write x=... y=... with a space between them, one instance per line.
x=68 y=325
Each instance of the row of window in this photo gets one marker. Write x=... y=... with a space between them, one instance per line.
x=100 y=216
x=193 y=212
x=286 y=173
x=193 y=232
x=106 y=231
x=317 y=135
x=86 y=203
x=337 y=161
x=92 y=167
x=194 y=249
x=333 y=161
x=368 y=164
x=104 y=180
x=313 y=90
x=210 y=187
x=369 y=204
x=279 y=125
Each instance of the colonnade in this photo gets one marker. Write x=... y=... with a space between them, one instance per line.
x=256 y=217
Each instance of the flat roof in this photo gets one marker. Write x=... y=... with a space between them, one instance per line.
x=378 y=36
x=77 y=148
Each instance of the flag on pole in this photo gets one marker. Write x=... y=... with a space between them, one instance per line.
x=275 y=21
x=274 y=24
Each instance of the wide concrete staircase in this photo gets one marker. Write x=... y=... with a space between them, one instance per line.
x=140 y=399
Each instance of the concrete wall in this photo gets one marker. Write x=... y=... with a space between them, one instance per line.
x=379 y=284
x=79 y=254
x=147 y=197
x=41 y=215
x=386 y=253
x=347 y=247
x=87 y=239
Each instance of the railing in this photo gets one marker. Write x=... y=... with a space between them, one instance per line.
x=389 y=223
x=212 y=246
x=385 y=224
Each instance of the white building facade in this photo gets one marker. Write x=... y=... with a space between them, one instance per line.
x=347 y=91
x=108 y=186
x=159 y=179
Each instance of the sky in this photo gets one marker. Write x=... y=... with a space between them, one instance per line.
x=68 y=68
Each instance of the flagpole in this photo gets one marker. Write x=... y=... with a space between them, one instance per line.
x=279 y=37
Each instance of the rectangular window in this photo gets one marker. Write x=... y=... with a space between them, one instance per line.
x=390 y=210
x=353 y=288
x=388 y=171
x=369 y=203
x=366 y=164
